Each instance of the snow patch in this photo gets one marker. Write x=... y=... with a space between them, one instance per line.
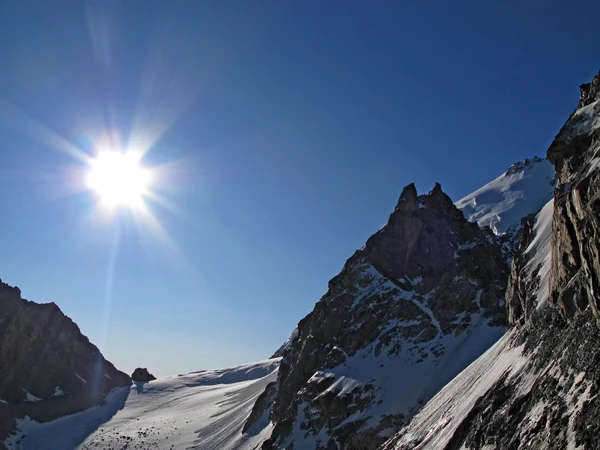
x=586 y=118
x=58 y=392
x=539 y=252
x=31 y=398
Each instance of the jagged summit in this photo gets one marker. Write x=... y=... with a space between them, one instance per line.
x=537 y=387
x=589 y=92
x=419 y=302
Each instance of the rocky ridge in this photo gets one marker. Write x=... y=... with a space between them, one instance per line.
x=419 y=302
x=537 y=388
x=48 y=369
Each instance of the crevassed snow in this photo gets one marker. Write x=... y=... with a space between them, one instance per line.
x=503 y=202
x=203 y=410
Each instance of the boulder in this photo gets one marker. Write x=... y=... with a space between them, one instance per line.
x=141 y=375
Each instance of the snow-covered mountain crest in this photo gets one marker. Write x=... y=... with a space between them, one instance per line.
x=501 y=204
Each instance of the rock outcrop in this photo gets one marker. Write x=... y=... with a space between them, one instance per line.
x=420 y=301
x=48 y=369
x=141 y=375
x=575 y=153
x=538 y=387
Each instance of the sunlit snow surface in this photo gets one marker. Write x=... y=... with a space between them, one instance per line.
x=503 y=202
x=433 y=427
x=539 y=252
x=202 y=410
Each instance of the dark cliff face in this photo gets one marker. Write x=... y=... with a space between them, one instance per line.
x=575 y=153
x=547 y=396
x=47 y=367
x=397 y=323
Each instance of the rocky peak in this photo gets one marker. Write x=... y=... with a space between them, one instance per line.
x=406 y=305
x=420 y=237
x=537 y=388
x=49 y=369
x=589 y=92
x=568 y=151
x=408 y=200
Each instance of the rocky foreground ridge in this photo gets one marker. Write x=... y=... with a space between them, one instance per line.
x=420 y=301
x=538 y=386
x=372 y=365
x=48 y=369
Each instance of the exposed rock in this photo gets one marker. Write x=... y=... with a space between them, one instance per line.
x=262 y=406
x=419 y=302
x=546 y=397
x=48 y=368
x=575 y=153
x=141 y=375
x=550 y=402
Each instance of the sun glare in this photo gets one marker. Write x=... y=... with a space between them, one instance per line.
x=119 y=179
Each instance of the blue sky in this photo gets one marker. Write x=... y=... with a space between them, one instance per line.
x=287 y=130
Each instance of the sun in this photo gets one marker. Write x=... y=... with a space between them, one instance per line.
x=119 y=179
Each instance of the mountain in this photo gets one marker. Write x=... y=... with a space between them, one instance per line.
x=467 y=325
x=48 y=369
x=408 y=312
x=501 y=204
x=201 y=410
x=537 y=387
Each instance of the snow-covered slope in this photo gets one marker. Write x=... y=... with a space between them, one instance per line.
x=435 y=425
x=539 y=254
x=201 y=410
x=523 y=189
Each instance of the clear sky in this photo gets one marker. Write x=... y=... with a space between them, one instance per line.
x=283 y=133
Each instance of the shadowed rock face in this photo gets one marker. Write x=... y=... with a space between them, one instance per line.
x=575 y=283
x=419 y=285
x=549 y=400
x=519 y=294
x=47 y=367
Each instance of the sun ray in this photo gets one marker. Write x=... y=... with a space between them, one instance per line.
x=34 y=129
x=150 y=222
